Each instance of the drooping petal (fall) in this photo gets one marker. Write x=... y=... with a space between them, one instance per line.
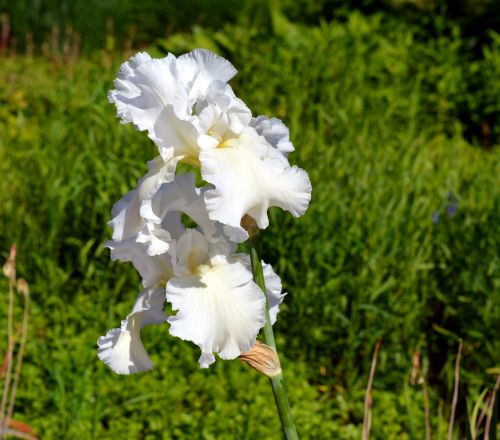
x=122 y=349
x=218 y=305
x=249 y=178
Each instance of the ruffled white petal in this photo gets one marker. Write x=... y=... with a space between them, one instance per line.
x=206 y=359
x=227 y=115
x=221 y=245
x=129 y=66
x=152 y=269
x=144 y=86
x=127 y=220
x=236 y=233
x=158 y=240
x=274 y=131
x=175 y=137
x=249 y=177
x=122 y=349
x=192 y=251
x=273 y=291
x=197 y=69
x=220 y=309
x=272 y=282
x=178 y=196
x=160 y=170
x=212 y=121
x=156 y=220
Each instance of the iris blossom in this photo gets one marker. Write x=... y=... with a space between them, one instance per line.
x=219 y=307
x=193 y=116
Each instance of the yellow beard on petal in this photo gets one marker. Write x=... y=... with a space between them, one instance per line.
x=191 y=160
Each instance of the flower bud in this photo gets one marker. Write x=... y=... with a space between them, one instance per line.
x=263 y=359
x=23 y=286
x=9 y=268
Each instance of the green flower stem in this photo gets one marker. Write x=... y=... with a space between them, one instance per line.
x=277 y=382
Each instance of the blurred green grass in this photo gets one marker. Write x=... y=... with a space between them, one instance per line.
x=374 y=113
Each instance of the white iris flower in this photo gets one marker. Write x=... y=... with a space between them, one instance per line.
x=210 y=286
x=193 y=116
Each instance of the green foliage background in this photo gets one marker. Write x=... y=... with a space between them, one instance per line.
x=385 y=119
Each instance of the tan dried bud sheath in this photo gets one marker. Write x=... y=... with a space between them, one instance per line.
x=249 y=225
x=263 y=359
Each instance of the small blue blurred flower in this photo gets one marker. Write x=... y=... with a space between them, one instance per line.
x=452 y=209
x=451 y=204
x=435 y=217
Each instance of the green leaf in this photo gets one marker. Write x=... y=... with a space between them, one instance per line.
x=492 y=434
